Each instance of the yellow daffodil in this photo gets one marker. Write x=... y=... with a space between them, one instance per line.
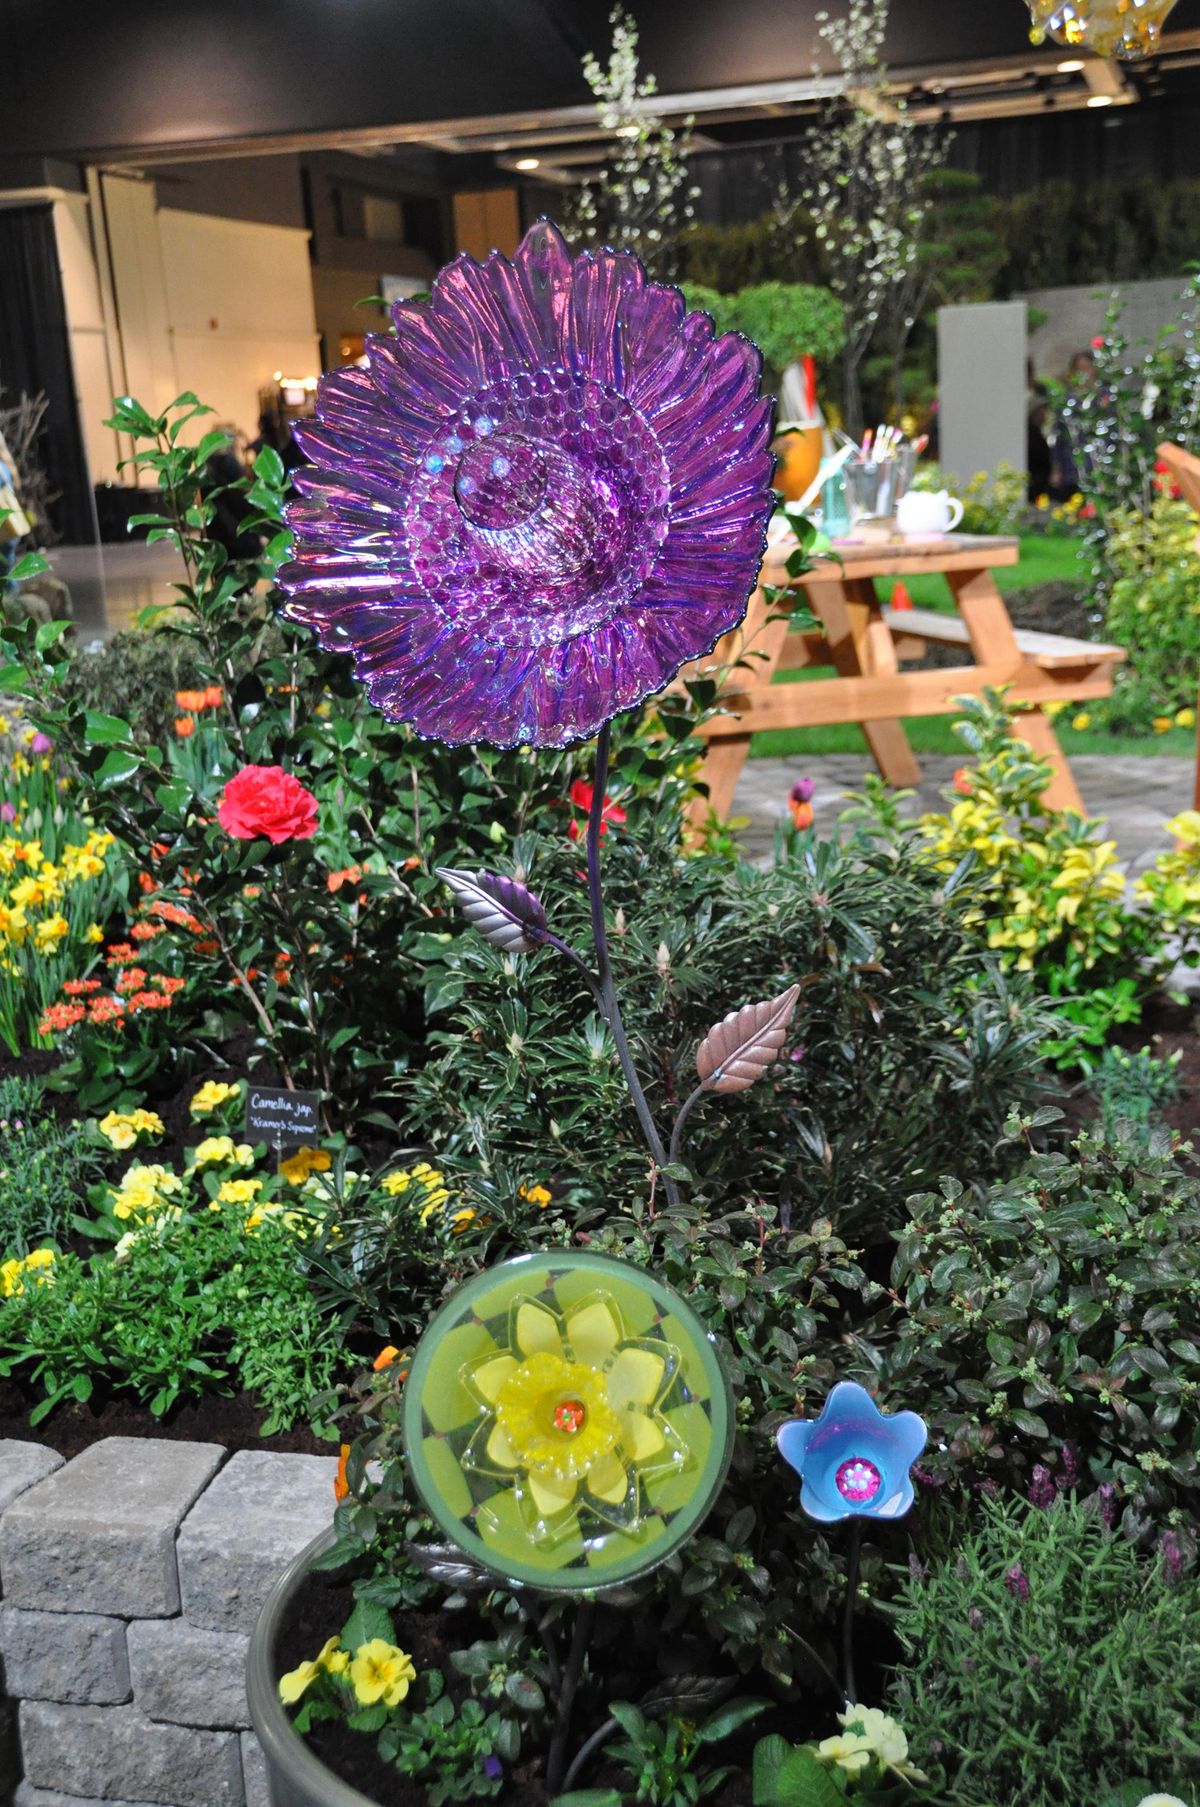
x=381 y=1672
x=93 y=933
x=211 y=1096
x=572 y=1411
x=298 y=1167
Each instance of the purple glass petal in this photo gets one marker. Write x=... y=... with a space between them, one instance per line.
x=541 y=498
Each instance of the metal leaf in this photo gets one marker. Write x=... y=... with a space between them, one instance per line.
x=740 y=1048
x=504 y=912
x=687 y=1695
x=452 y=1567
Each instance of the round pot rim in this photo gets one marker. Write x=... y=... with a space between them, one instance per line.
x=283 y=1747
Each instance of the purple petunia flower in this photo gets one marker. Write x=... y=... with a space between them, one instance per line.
x=544 y=495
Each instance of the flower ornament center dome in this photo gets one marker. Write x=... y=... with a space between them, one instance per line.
x=540 y=510
x=547 y=492
x=858 y=1480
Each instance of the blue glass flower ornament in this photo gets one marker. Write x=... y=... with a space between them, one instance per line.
x=547 y=492
x=854 y=1460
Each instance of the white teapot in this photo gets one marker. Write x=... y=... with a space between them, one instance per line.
x=923 y=514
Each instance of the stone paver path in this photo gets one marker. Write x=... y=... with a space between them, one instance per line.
x=1135 y=792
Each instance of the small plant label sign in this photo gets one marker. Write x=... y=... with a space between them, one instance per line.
x=281 y=1118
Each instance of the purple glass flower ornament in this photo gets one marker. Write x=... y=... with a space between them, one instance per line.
x=854 y=1460
x=543 y=496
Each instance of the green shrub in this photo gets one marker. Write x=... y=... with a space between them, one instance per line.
x=1131 y=1090
x=1046 y=1660
x=1053 y=1319
x=907 y=1050
x=135 y=675
x=1153 y=611
x=44 y=1169
x=194 y=1303
x=993 y=501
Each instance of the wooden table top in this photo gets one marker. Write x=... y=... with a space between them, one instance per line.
x=897 y=558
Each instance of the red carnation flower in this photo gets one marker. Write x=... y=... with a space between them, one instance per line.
x=265 y=801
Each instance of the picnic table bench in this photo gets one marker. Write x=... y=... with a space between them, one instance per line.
x=867 y=643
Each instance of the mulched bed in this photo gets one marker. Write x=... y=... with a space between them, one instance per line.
x=213 y=1418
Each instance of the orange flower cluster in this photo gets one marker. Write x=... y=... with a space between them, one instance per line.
x=349 y=875
x=195 y=702
x=135 y=991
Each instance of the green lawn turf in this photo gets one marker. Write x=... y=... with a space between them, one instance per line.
x=1044 y=557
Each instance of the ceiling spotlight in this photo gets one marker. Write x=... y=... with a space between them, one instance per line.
x=1100 y=100
x=527 y=163
x=1072 y=67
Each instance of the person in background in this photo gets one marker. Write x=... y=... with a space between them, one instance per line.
x=1038 y=456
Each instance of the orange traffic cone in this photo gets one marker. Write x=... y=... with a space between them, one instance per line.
x=901 y=598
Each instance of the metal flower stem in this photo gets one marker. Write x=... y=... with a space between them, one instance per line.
x=581 y=1637
x=605 y=990
x=852 y=1557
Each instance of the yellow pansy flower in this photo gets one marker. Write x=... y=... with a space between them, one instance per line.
x=381 y=1672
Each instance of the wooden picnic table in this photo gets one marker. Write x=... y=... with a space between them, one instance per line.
x=867 y=644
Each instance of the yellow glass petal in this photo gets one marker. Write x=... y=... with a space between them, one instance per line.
x=551 y=1496
x=593 y=1334
x=491 y=1376
x=640 y=1436
x=536 y=1330
x=609 y=1479
x=634 y=1378
x=500 y=1450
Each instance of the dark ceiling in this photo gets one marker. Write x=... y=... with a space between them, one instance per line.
x=137 y=76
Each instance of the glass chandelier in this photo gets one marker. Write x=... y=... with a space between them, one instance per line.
x=1126 y=29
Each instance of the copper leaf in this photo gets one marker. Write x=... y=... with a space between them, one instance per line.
x=504 y=912
x=740 y=1048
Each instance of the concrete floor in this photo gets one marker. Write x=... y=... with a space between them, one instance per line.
x=1136 y=793
x=110 y=584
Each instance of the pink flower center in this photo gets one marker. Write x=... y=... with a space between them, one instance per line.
x=858 y=1480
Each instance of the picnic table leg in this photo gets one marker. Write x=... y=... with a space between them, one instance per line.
x=759 y=641
x=983 y=609
x=860 y=644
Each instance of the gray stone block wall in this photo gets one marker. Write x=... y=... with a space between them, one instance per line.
x=129 y=1581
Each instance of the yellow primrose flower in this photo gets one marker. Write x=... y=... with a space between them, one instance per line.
x=239 y=1192
x=37 y=1265
x=297 y=1167
x=211 y=1096
x=886 y=1739
x=214 y=1149
x=381 y=1672
x=144 y=1190
x=333 y=1658
x=1185 y=718
x=1081 y=721
x=850 y=1752
x=297 y=1682
x=117 y=1130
